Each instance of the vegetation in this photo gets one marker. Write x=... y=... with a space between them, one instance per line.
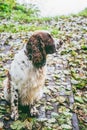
x=26 y=19
x=83 y=13
x=17 y=18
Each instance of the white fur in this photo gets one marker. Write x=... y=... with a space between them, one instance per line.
x=26 y=78
x=6 y=89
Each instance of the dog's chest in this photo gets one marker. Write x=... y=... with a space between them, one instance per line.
x=25 y=75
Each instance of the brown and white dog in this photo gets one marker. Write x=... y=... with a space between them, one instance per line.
x=26 y=77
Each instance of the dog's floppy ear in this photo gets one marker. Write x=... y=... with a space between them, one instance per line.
x=36 y=51
x=28 y=51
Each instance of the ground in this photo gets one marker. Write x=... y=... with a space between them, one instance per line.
x=64 y=102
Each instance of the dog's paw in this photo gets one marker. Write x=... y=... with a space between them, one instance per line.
x=14 y=115
x=34 y=111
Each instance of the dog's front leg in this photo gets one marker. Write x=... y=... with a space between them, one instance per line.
x=33 y=110
x=14 y=103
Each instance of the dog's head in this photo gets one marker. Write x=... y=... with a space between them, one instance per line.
x=39 y=45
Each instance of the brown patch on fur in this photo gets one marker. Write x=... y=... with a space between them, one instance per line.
x=48 y=42
x=40 y=44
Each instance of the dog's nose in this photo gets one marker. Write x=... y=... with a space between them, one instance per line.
x=58 y=43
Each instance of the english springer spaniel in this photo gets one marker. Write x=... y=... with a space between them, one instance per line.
x=26 y=77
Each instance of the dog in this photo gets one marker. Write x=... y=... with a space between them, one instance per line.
x=26 y=77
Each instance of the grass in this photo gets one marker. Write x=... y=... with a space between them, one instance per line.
x=27 y=19
x=27 y=27
x=21 y=19
x=83 y=13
